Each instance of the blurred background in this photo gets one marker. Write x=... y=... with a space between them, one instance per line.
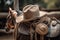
x=48 y=4
x=44 y=3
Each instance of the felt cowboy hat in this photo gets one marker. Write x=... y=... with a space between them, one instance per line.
x=31 y=12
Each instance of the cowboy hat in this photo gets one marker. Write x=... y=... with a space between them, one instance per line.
x=31 y=12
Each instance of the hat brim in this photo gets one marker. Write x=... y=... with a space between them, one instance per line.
x=21 y=19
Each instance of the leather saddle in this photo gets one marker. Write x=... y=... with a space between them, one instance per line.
x=24 y=28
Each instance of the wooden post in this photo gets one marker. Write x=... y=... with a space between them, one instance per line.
x=15 y=32
x=16 y=7
x=31 y=35
x=41 y=37
x=35 y=35
x=16 y=4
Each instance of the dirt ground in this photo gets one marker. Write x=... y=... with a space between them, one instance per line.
x=4 y=36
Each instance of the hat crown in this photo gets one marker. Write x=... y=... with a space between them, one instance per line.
x=31 y=11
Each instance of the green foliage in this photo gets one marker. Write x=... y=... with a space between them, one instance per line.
x=51 y=4
x=45 y=3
